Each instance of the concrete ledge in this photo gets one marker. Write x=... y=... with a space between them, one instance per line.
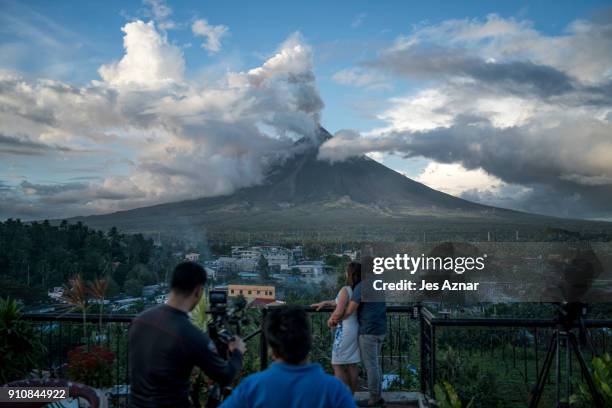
x=400 y=398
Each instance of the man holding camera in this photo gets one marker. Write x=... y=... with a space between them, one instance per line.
x=164 y=346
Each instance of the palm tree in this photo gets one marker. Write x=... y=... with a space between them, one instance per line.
x=98 y=291
x=75 y=294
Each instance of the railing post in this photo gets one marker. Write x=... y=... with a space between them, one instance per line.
x=432 y=356
x=424 y=354
x=428 y=352
x=263 y=344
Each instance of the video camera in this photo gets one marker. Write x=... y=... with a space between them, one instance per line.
x=227 y=319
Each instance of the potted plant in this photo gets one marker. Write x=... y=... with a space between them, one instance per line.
x=20 y=348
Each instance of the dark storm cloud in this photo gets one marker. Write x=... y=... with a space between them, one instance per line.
x=72 y=193
x=523 y=77
x=27 y=147
x=563 y=199
x=50 y=189
x=4 y=186
x=529 y=109
x=550 y=164
x=512 y=154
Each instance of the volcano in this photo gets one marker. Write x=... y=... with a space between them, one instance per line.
x=358 y=198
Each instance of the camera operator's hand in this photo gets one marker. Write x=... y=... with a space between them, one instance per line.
x=237 y=344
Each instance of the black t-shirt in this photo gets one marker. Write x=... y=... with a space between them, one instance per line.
x=164 y=346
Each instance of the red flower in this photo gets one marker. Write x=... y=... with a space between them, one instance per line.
x=92 y=366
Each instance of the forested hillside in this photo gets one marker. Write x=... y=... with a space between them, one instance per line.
x=37 y=256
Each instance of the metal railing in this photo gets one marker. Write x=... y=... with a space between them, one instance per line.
x=418 y=352
x=64 y=332
x=512 y=350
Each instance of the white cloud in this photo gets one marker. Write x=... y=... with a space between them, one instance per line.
x=160 y=12
x=423 y=111
x=377 y=156
x=150 y=61
x=159 y=9
x=169 y=137
x=211 y=33
x=455 y=179
x=501 y=99
x=583 y=50
x=361 y=77
x=293 y=57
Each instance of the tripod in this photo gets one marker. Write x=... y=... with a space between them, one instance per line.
x=564 y=336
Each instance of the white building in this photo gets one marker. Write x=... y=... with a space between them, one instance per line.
x=211 y=273
x=56 y=293
x=192 y=256
x=245 y=258
x=276 y=255
x=353 y=255
x=226 y=264
x=314 y=271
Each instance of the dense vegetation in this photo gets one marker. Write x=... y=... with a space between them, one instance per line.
x=37 y=256
x=20 y=348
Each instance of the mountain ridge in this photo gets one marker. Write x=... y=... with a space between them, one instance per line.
x=304 y=193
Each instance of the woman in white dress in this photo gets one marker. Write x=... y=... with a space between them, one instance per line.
x=345 y=350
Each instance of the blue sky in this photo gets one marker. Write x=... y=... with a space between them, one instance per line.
x=342 y=34
x=362 y=56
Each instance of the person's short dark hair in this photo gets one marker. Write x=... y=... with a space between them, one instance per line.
x=287 y=330
x=186 y=277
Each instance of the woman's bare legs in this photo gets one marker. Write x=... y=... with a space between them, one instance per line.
x=352 y=374
x=341 y=373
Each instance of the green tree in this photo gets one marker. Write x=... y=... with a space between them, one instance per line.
x=113 y=288
x=263 y=268
x=133 y=287
x=20 y=347
x=143 y=274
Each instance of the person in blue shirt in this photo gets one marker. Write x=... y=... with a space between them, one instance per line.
x=291 y=381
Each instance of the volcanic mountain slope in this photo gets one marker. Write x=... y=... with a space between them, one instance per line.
x=305 y=194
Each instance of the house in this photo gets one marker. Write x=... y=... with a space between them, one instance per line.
x=228 y=265
x=252 y=292
x=259 y=303
x=211 y=273
x=275 y=255
x=192 y=256
x=56 y=293
x=352 y=255
x=313 y=271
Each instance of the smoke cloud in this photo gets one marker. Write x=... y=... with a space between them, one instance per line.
x=148 y=133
